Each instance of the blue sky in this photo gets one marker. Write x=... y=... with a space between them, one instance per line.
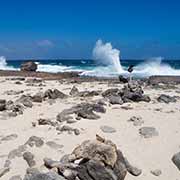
x=70 y=28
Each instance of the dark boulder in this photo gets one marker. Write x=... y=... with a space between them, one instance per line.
x=29 y=66
x=176 y=160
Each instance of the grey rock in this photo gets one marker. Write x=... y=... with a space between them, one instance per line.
x=166 y=98
x=76 y=132
x=54 y=145
x=107 y=129
x=54 y=94
x=176 y=160
x=46 y=122
x=17 y=152
x=156 y=172
x=37 y=97
x=9 y=137
x=115 y=100
x=47 y=176
x=34 y=140
x=29 y=157
x=148 y=132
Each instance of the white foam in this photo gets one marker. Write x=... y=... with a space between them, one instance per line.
x=55 y=68
x=155 y=66
x=105 y=54
x=4 y=65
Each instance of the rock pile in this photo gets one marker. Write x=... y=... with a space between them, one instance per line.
x=98 y=159
x=132 y=92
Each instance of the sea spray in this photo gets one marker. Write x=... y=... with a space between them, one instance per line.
x=105 y=54
x=4 y=65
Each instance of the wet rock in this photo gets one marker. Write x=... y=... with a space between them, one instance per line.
x=29 y=157
x=3 y=171
x=54 y=145
x=17 y=177
x=137 y=120
x=35 y=141
x=2 y=104
x=156 y=172
x=166 y=98
x=176 y=160
x=107 y=129
x=115 y=100
x=29 y=66
x=148 y=132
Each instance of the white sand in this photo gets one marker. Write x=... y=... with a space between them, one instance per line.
x=147 y=154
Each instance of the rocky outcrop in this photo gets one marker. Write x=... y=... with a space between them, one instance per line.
x=29 y=66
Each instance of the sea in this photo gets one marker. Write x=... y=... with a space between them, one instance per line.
x=89 y=67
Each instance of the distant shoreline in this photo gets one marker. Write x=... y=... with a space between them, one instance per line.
x=76 y=76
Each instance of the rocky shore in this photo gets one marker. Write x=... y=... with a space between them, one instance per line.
x=66 y=127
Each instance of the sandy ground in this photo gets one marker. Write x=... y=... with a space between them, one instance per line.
x=146 y=154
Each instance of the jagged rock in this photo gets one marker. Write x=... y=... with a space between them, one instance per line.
x=34 y=140
x=29 y=66
x=32 y=171
x=107 y=129
x=176 y=160
x=83 y=110
x=115 y=100
x=148 y=132
x=166 y=98
x=29 y=157
x=17 y=177
x=156 y=172
x=74 y=91
x=2 y=104
x=54 y=94
x=137 y=120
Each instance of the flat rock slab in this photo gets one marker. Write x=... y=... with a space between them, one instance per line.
x=148 y=132
x=107 y=129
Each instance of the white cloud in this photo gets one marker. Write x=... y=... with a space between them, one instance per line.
x=45 y=43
